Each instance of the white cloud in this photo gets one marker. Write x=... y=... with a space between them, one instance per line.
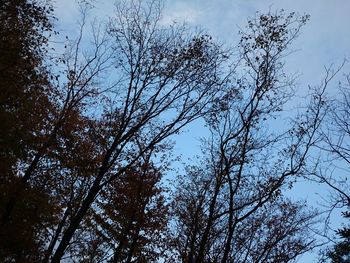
x=324 y=40
x=181 y=12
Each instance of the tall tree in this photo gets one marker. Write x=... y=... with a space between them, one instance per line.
x=132 y=214
x=47 y=136
x=340 y=253
x=24 y=79
x=221 y=210
x=25 y=108
x=335 y=145
x=165 y=78
x=83 y=143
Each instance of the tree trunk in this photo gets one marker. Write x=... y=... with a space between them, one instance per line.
x=76 y=221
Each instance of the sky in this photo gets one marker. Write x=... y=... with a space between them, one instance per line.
x=324 y=41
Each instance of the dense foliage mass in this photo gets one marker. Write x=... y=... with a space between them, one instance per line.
x=86 y=138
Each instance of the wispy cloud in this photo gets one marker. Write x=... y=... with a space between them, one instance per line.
x=181 y=12
x=324 y=40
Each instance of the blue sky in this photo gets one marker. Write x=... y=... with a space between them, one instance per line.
x=325 y=40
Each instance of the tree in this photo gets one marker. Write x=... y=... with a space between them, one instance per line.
x=340 y=253
x=24 y=86
x=132 y=214
x=47 y=136
x=23 y=79
x=336 y=135
x=165 y=78
x=83 y=168
x=221 y=209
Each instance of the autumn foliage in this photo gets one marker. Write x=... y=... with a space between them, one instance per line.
x=86 y=140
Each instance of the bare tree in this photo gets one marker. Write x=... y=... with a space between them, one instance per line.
x=164 y=79
x=85 y=186
x=334 y=173
x=69 y=91
x=336 y=136
x=245 y=167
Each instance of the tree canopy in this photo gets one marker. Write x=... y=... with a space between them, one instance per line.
x=86 y=140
